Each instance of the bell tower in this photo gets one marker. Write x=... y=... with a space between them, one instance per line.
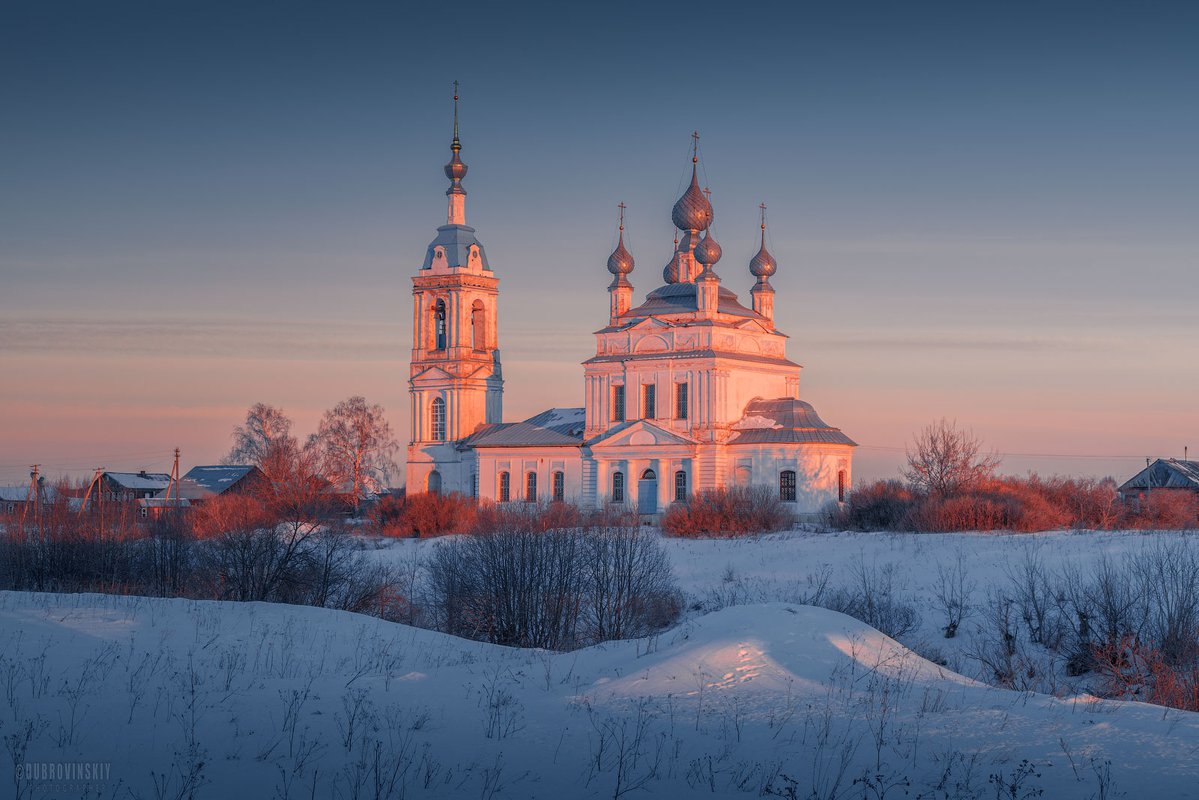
x=455 y=384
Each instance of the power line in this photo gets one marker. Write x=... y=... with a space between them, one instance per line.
x=1016 y=455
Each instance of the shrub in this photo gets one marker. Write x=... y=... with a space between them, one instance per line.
x=425 y=514
x=882 y=505
x=732 y=511
x=555 y=589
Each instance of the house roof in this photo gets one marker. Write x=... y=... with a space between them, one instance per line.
x=785 y=420
x=203 y=482
x=139 y=480
x=557 y=427
x=1165 y=473
x=18 y=494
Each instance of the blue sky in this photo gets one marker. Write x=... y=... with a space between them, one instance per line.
x=980 y=211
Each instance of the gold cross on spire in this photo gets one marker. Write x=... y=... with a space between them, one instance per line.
x=694 y=146
x=622 y=207
x=763 y=207
x=455 y=110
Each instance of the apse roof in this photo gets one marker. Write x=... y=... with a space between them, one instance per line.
x=785 y=420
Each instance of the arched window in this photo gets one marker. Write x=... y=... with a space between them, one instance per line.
x=841 y=486
x=439 y=325
x=787 y=486
x=649 y=475
x=559 y=487
x=617 y=487
x=434 y=482
x=478 y=326
x=505 y=487
x=531 y=487
x=437 y=419
x=680 y=487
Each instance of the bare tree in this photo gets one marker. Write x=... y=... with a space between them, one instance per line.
x=356 y=446
x=265 y=440
x=945 y=459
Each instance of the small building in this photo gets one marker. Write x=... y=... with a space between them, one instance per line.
x=13 y=499
x=133 y=485
x=204 y=483
x=156 y=507
x=1164 y=474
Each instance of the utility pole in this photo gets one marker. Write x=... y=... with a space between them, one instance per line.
x=173 y=486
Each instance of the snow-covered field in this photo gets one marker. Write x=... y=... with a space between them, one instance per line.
x=261 y=701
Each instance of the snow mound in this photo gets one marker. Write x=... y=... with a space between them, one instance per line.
x=254 y=700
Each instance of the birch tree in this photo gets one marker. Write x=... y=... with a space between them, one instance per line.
x=356 y=447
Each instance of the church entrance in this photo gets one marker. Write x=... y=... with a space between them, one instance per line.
x=647 y=493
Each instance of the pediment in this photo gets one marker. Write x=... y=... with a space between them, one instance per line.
x=640 y=433
x=431 y=374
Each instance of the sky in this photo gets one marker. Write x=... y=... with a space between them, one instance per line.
x=983 y=212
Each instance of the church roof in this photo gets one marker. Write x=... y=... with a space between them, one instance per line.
x=557 y=427
x=785 y=420
x=1165 y=473
x=457 y=241
x=681 y=298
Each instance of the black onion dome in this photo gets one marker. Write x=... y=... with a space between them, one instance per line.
x=692 y=212
x=621 y=260
x=708 y=251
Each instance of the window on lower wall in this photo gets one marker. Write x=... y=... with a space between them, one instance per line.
x=649 y=401
x=505 y=487
x=617 y=487
x=680 y=487
x=618 y=404
x=531 y=487
x=559 y=487
x=787 y=486
x=841 y=486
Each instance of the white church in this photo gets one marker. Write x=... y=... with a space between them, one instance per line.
x=690 y=390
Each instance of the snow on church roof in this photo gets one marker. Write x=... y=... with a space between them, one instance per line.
x=555 y=427
x=785 y=420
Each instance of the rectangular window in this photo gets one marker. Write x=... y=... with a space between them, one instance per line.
x=649 y=395
x=680 y=401
x=841 y=486
x=531 y=487
x=559 y=487
x=680 y=487
x=505 y=487
x=474 y=484
x=787 y=486
x=618 y=404
x=617 y=487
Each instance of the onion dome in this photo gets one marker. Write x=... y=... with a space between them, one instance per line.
x=763 y=265
x=673 y=270
x=620 y=263
x=621 y=260
x=707 y=252
x=692 y=212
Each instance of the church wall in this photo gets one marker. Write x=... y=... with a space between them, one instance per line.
x=518 y=462
x=816 y=469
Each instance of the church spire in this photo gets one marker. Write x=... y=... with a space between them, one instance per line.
x=456 y=171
